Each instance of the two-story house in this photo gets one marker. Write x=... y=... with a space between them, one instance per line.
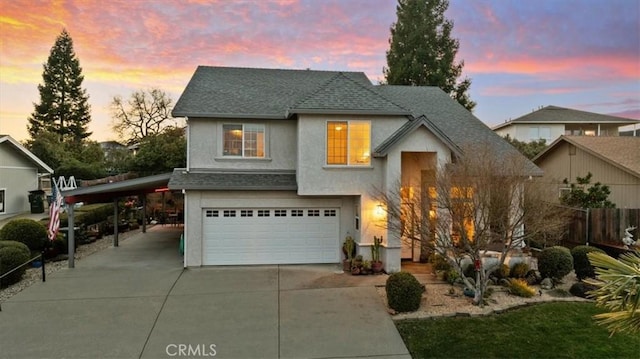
x=550 y=122
x=282 y=165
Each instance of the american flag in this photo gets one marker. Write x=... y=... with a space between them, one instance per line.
x=54 y=211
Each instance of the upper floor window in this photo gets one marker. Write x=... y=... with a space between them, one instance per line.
x=349 y=143
x=243 y=140
x=540 y=133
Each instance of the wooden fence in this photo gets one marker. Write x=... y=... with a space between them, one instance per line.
x=605 y=228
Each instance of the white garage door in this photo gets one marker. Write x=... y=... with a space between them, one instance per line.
x=270 y=235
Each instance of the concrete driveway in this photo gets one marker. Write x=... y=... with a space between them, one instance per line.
x=136 y=301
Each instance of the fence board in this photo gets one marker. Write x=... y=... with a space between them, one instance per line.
x=606 y=226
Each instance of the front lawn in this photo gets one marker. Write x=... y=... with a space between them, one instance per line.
x=549 y=330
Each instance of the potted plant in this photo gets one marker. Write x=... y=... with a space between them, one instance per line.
x=349 y=250
x=356 y=265
x=376 y=263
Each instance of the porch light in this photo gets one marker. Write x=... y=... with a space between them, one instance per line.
x=379 y=212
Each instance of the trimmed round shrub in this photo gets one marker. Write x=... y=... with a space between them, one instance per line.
x=16 y=244
x=404 y=292
x=519 y=270
x=581 y=264
x=580 y=289
x=555 y=262
x=11 y=257
x=27 y=231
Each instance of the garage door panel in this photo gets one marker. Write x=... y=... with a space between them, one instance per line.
x=270 y=236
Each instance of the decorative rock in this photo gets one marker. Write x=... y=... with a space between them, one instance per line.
x=546 y=283
x=532 y=277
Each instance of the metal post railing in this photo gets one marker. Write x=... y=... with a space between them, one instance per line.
x=44 y=273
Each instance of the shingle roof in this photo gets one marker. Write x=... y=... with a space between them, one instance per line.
x=233 y=180
x=233 y=92
x=451 y=118
x=555 y=114
x=344 y=95
x=622 y=152
x=408 y=128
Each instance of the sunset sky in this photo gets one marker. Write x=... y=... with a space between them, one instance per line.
x=520 y=55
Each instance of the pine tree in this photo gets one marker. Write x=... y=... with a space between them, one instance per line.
x=63 y=108
x=422 y=52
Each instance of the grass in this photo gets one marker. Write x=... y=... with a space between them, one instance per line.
x=549 y=330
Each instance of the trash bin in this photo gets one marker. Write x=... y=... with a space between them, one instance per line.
x=36 y=200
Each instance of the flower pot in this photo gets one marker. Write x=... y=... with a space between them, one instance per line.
x=346 y=265
x=376 y=267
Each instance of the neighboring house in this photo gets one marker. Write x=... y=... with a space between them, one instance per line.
x=20 y=172
x=613 y=161
x=109 y=147
x=282 y=164
x=551 y=122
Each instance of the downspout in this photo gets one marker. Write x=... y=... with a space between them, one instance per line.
x=186 y=120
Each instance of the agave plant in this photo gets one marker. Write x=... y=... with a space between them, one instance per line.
x=618 y=282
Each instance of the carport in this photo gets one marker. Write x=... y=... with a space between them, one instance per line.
x=112 y=192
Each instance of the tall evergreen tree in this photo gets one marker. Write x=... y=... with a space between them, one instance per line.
x=63 y=108
x=422 y=52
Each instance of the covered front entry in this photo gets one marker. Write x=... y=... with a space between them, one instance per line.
x=236 y=236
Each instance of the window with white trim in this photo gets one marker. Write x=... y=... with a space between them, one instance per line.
x=246 y=213
x=349 y=143
x=243 y=140
x=264 y=213
x=211 y=213
x=229 y=213
x=280 y=212
x=313 y=213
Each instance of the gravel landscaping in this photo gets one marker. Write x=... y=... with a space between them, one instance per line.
x=444 y=300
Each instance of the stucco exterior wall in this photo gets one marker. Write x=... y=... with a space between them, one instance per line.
x=205 y=145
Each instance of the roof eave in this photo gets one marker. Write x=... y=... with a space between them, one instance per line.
x=243 y=116
x=347 y=112
x=27 y=153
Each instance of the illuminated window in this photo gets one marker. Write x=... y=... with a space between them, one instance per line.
x=349 y=143
x=243 y=140
x=463 y=213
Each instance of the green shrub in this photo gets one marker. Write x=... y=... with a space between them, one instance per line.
x=520 y=288
x=452 y=275
x=11 y=257
x=16 y=244
x=555 y=262
x=502 y=272
x=581 y=264
x=519 y=270
x=581 y=289
x=27 y=231
x=404 y=292
x=439 y=262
